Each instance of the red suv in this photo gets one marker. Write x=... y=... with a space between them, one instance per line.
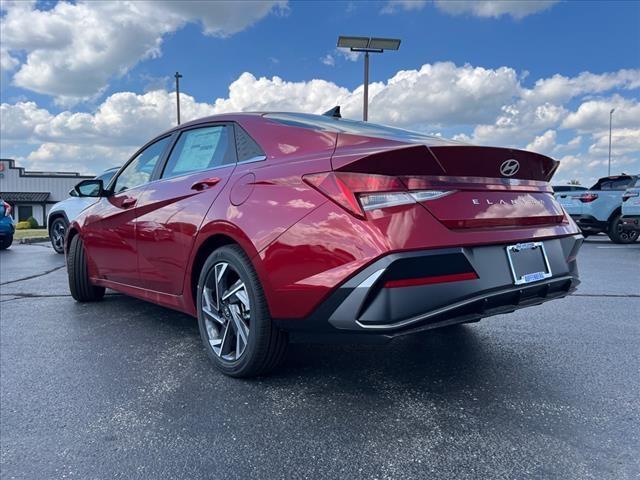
x=261 y=224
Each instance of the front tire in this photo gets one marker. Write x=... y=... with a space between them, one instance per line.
x=57 y=231
x=81 y=288
x=235 y=325
x=617 y=234
x=5 y=242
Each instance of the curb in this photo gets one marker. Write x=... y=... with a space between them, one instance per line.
x=34 y=240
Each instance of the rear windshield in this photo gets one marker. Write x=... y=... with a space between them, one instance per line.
x=614 y=183
x=343 y=125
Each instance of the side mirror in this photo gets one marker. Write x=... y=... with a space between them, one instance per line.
x=90 y=188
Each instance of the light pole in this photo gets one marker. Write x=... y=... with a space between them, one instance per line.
x=610 y=122
x=367 y=45
x=178 y=77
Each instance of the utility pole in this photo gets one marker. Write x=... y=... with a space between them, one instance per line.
x=610 y=122
x=178 y=77
x=365 y=107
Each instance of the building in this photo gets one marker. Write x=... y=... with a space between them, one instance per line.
x=31 y=194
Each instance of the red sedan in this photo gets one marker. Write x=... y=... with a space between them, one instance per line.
x=261 y=224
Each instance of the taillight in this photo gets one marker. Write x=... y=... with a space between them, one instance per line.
x=360 y=192
x=587 y=197
x=628 y=195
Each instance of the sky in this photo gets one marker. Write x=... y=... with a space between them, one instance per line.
x=84 y=84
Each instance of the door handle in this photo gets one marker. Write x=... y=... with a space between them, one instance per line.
x=128 y=202
x=206 y=183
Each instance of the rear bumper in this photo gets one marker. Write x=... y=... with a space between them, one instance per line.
x=589 y=223
x=630 y=222
x=364 y=305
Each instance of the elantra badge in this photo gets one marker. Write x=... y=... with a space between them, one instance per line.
x=510 y=167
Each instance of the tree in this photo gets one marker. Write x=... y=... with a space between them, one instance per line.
x=574 y=181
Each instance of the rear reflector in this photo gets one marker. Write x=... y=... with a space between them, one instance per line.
x=413 y=282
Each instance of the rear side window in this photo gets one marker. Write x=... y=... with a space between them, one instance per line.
x=200 y=149
x=613 y=183
x=246 y=146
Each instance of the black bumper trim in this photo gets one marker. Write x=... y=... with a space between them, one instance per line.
x=362 y=306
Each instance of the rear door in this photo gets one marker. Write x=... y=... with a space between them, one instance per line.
x=109 y=231
x=172 y=208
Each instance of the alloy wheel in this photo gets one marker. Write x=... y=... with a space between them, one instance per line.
x=227 y=312
x=58 y=230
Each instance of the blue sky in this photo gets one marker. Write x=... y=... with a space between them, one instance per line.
x=482 y=71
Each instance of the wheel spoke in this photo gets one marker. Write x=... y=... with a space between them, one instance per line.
x=219 y=271
x=242 y=329
x=225 y=343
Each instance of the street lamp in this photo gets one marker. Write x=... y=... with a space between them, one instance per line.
x=367 y=45
x=610 y=122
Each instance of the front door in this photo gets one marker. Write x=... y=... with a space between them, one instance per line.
x=171 y=209
x=110 y=227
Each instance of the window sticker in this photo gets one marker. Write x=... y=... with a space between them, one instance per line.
x=198 y=150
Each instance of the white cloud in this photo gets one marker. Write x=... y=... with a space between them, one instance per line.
x=74 y=49
x=347 y=54
x=593 y=115
x=278 y=94
x=392 y=6
x=560 y=88
x=544 y=143
x=85 y=159
x=328 y=60
x=490 y=106
x=624 y=141
x=494 y=8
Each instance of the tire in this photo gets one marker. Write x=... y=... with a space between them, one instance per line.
x=238 y=333
x=617 y=234
x=81 y=288
x=57 y=231
x=5 y=242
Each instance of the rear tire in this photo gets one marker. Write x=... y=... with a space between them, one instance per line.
x=57 y=231
x=617 y=234
x=236 y=328
x=5 y=242
x=81 y=288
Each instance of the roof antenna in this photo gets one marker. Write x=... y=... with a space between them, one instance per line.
x=334 y=112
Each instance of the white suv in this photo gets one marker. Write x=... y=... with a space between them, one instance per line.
x=63 y=212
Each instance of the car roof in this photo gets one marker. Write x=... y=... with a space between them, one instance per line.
x=324 y=123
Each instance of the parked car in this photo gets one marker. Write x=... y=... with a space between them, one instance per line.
x=631 y=209
x=7 y=225
x=599 y=209
x=263 y=224
x=63 y=212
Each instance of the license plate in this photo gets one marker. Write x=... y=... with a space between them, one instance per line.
x=528 y=262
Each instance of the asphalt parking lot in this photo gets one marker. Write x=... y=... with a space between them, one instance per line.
x=123 y=389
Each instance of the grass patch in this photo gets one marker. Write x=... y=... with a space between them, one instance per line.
x=31 y=233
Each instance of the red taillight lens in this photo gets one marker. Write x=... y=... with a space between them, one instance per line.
x=361 y=192
x=587 y=197
x=343 y=188
x=628 y=195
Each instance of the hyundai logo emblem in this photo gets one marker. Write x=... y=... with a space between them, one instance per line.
x=509 y=167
